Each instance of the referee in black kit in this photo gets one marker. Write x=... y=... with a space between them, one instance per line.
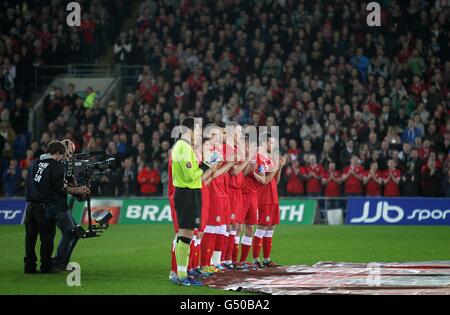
x=46 y=193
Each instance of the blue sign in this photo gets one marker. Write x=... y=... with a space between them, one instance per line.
x=398 y=211
x=12 y=211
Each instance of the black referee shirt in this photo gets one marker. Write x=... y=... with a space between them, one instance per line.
x=45 y=183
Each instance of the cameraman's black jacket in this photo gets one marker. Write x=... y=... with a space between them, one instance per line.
x=46 y=184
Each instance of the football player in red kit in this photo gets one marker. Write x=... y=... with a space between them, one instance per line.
x=268 y=174
x=249 y=212
x=215 y=230
x=235 y=182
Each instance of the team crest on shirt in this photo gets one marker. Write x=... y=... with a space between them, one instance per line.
x=267 y=218
x=233 y=216
x=218 y=218
x=188 y=164
x=197 y=221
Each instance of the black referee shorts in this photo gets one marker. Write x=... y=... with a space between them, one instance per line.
x=188 y=205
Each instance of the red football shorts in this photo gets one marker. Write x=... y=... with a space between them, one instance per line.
x=218 y=209
x=173 y=213
x=269 y=214
x=205 y=213
x=235 y=197
x=249 y=213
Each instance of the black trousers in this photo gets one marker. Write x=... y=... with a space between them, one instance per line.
x=37 y=225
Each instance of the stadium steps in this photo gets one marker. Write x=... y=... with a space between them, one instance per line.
x=108 y=57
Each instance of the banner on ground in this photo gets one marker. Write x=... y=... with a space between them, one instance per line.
x=151 y=211
x=398 y=211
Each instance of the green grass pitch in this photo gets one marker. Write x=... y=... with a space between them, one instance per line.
x=134 y=259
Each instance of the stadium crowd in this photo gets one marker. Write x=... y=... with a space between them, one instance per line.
x=35 y=33
x=361 y=110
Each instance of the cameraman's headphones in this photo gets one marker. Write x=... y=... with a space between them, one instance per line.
x=68 y=144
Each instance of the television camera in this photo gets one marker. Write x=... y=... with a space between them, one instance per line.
x=84 y=170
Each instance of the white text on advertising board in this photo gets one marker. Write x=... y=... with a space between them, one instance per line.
x=394 y=214
x=10 y=214
x=148 y=213
x=294 y=213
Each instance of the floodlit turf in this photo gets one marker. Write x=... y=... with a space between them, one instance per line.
x=134 y=259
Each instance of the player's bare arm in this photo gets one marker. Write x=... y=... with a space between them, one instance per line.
x=225 y=168
x=280 y=168
x=239 y=168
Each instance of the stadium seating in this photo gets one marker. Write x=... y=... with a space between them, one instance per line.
x=335 y=86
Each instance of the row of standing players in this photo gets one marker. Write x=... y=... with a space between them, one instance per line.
x=238 y=196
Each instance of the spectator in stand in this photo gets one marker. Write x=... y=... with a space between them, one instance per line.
x=53 y=104
x=9 y=137
x=328 y=154
x=122 y=49
x=353 y=176
x=373 y=180
x=410 y=183
x=71 y=97
x=21 y=182
x=26 y=162
x=19 y=117
x=446 y=183
x=347 y=153
x=313 y=174
x=431 y=179
x=295 y=185
x=88 y=27
x=11 y=178
x=361 y=62
x=391 y=179
x=148 y=179
x=129 y=178
x=411 y=133
x=332 y=181
x=306 y=152
x=293 y=150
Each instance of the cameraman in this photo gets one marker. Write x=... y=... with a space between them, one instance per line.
x=46 y=193
x=65 y=221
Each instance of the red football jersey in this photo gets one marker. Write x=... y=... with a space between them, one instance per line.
x=332 y=189
x=372 y=187
x=352 y=184
x=294 y=184
x=392 y=189
x=250 y=184
x=170 y=187
x=267 y=194
x=238 y=180
x=314 y=185
x=205 y=198
x=219 y=185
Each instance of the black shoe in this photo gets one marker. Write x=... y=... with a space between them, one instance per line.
x=271 y=264
x=257 y=265
x=59 y=268
x=30 y=270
